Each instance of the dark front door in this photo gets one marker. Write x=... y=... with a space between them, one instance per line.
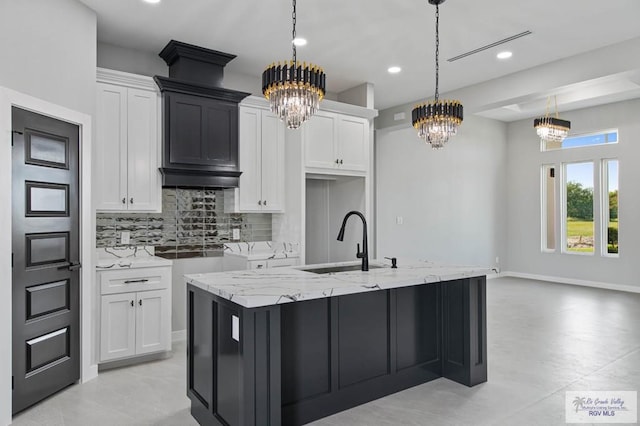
x=45 y=246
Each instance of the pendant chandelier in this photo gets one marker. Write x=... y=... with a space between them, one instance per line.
x=552 y=129
x=294 y=91
x=436 y=121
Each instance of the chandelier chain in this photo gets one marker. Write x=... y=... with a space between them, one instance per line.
x=437 y=49
x=293 y=35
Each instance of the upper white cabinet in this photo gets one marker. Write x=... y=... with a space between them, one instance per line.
x=261 y=150
x=126 y=156
x=335 y=142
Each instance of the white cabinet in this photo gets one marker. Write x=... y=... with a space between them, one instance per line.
x=336 y=142
x=261 y=150
x=272 y=263
x=126 y=156
x=237 y=262
x=135 y=315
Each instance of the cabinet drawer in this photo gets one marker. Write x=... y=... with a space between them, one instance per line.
x=257 y=264
x=130 y=280
x=281 y=263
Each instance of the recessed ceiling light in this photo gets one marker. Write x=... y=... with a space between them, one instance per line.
x=504 y=55
x=152 y=1
x=299 y=41
x=394 y=70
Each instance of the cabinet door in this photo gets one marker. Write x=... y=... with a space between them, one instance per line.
x=203 y=132
x=142 y=148
x=117 y=326
x=249 y=192
x=319 y=135
x=272 y=163
x=153 y=321
x=110 y=151
x=353 y=143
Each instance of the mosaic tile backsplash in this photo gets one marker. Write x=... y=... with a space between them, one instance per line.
x=192 y=224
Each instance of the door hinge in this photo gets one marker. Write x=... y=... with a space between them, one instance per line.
x=15 y=132
x=13 y=382
x=12 y=260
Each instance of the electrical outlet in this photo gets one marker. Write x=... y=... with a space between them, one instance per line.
x=124 y=238
x=236 y=234
x=399 y=220
x=497 y=260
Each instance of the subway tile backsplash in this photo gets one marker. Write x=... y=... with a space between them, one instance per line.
x=192 y=224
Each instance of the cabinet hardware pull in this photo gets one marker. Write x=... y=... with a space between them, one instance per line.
x=337 y=161
x=131 y=200
x=259 y=202
x=124 y=200
x=132 y=303
x=136 y=281
x=340 y=163
x=71 y=266
x=140 y=302
x=264 y=203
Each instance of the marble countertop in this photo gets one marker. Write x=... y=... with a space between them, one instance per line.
x=265 y=287
x=128 y=257
x=262 y=250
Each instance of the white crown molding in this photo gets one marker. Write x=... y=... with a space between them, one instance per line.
x=104 y=75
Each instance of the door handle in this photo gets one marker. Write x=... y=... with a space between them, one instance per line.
x=71 y=266
x=131 y=200
x=136 y=281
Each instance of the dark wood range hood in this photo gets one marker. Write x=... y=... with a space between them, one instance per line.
x=200 y=119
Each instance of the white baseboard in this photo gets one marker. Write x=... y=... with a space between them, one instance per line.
x=573 y=281
x=178 y=336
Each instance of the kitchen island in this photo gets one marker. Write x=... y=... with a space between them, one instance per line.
x=289 y=346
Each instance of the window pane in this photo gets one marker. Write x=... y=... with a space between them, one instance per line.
x=603 y=138
x=548 y=208
x=579 y=208
x=611 y=205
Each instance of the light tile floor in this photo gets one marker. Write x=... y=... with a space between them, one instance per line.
x=544 y=339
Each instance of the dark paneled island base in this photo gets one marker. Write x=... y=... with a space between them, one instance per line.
x=292 y=363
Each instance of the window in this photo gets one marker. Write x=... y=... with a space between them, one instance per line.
x=610 y=206
x=579 y=197
x=591 y=139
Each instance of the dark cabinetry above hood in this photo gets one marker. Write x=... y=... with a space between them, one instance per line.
x=200 y=119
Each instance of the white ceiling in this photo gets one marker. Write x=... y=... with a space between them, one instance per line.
x=355 y=41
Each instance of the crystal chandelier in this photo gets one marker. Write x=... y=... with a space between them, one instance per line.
x=552 y=129
x=436 y=121
x=294 y=91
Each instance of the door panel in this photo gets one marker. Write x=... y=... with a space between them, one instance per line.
x=117 y=329
x=142 y=148
x=110 y=149
x=319 y=135
x=272 y=162
x=352 y=134
x=151 y=314
x=249 y=146
x=45 y=244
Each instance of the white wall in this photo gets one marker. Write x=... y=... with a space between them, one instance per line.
x=523 y=193
x=49 y=52
x=452 y=201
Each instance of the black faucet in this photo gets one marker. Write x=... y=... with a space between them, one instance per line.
x=364 y=254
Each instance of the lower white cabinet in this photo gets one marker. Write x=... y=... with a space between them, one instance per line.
x=237 y=262
x=135 y=315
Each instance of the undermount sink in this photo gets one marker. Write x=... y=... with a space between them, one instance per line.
x=343 y=268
